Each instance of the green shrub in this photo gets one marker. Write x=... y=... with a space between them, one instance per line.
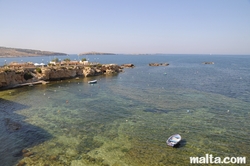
x=67 y=60
x=55 y=60
x=99 y=65
x=7 y=70
x=39 y=70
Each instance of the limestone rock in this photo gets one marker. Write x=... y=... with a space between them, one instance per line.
x=129 y=65
x=208 y=63
x=111 y=68
x=62 y=73
x=88 y=71
x=21 y=163
x=158 y=64
x=12 y=125
x=12 y=78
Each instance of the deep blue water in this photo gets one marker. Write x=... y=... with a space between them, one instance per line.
x=125 y=119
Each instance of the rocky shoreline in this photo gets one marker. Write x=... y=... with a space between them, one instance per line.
x=12 y=78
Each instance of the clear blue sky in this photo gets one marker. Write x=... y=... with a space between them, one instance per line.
x=127 y=26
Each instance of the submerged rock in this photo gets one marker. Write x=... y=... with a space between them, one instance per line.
x=25 y=151
x=53 y=157
x=21 y=163
x=12 y=125
x=28 y=154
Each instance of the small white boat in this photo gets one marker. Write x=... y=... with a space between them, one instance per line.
x=174 y=140
x=92 y=82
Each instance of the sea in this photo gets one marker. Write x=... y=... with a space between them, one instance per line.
x=125 y=119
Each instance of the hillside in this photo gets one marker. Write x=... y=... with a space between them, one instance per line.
x=17 y=52
x=96 y=53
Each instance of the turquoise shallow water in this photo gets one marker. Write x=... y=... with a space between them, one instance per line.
x=126 y=119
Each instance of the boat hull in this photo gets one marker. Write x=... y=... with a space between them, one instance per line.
x=92 y=82
x=174 y=140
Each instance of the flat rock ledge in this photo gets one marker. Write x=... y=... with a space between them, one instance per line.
x=158 y=64
x=12 y=78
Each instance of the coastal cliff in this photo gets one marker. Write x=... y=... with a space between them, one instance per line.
x=10 y=78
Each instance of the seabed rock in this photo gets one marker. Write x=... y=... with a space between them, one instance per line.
x=21 y=163
x=53 y=157
x=11 y=125
x=28 y=154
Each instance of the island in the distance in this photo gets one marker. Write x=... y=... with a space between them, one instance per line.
x=18 y=52
x=96 y=53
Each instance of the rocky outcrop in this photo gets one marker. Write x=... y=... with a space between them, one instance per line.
x=111 y=69
x=208 y=63
x=101 y=69
x=158 y=64
x=88 y=71
x=11 y=78
x=129 y=65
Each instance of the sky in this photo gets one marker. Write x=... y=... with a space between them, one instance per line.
x=127 y=26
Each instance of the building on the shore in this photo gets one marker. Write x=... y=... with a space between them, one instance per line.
x=64 y=63
x=53 y=62
x=69 y=63
x=40 y=64
x=84 y=62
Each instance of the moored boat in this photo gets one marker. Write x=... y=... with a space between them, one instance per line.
x=92 y=82
x=174 y=140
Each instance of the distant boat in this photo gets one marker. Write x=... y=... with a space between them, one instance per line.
x=92 y=82
x=173 y=140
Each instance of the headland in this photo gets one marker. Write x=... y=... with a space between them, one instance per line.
x=18 y=52
x=96 y=53
x=21 y=74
